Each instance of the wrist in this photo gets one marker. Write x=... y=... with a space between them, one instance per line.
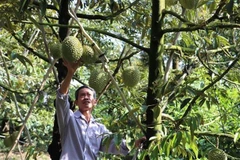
x=70 y=73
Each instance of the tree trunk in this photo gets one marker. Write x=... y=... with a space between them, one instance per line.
x=54 y=149
x=153 y=115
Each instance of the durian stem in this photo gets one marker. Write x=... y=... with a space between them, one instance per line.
x=103 y=59
x=94 y=44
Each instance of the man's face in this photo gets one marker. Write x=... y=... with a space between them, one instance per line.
x=85 y=100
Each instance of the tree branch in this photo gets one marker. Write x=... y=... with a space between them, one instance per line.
x=189 y=108
x=210 y=134
x=219 y=25
x=147 y=50
x=217 y=12
x=203 y=24
x=180 y=17
x=20 y=41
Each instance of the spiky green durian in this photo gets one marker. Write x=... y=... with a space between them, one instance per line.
x=131 y=76
x=71 y=49
x=8 y=142
x=98 y=80
x=217 y=154
x=88 y=56
x=14 y=135
x=56 y=50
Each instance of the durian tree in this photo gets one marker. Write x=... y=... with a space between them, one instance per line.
x=182 y=57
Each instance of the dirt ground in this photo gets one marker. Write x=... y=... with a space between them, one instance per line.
x=18 y=156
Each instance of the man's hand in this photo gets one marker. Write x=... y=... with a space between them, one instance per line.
x=140 y=141
x=72 y=66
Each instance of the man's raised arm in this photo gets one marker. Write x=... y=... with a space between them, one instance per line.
x=71 y=67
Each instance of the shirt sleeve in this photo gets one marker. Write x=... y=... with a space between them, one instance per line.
x=62 y=110
x=112 y=147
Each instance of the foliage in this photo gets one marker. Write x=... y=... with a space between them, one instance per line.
x=197 y=90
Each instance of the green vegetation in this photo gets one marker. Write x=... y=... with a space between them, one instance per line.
x=186 y=101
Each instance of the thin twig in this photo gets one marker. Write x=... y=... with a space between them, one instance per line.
x=32 y=106
x=21 y=117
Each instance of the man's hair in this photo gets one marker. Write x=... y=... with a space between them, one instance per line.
x=85 y=86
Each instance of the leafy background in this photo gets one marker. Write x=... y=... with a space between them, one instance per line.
x=187 y=101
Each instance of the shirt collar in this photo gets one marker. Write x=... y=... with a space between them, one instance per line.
x=78 y=114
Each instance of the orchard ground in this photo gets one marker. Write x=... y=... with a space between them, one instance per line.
x=18 y=156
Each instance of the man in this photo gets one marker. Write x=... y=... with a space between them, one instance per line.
x=81 y=135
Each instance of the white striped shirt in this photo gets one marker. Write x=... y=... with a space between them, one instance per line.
x=81 y=140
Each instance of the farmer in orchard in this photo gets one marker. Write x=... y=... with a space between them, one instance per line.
x=81 y=134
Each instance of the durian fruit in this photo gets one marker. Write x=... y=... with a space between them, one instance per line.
x=8 y=142
x=14 y=135
x=88 y=56
x=131 y=76
x=56 y=50
x=188 y=4
x=217 y=154
x=98 y=80
x=71 y=49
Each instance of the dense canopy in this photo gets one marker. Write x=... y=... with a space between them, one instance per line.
x=186 y=102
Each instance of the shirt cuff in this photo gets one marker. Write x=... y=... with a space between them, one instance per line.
x=62 y=96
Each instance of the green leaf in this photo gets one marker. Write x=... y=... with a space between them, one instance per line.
x=117 y=139
x=35 y=22
x=215 y=42
x=185 y=102
x=178 y=138
x=155 y=152
x=157 y=111
x=236 y=137
x=222 y=41
x=224 y=117
x=168 y=148
x=194 y=148
x=43 y=6
x=192 y=91
x=229 y=7
x=132 y=111
x=208 y=104
x=201 y=102
x=56 y=4
x=174 y=138
x=23 y=5
x=192 y=127
x=23 y=60
x=212 y=6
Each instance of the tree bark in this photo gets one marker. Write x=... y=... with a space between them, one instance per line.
x=54 y=149
x=155 y=72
